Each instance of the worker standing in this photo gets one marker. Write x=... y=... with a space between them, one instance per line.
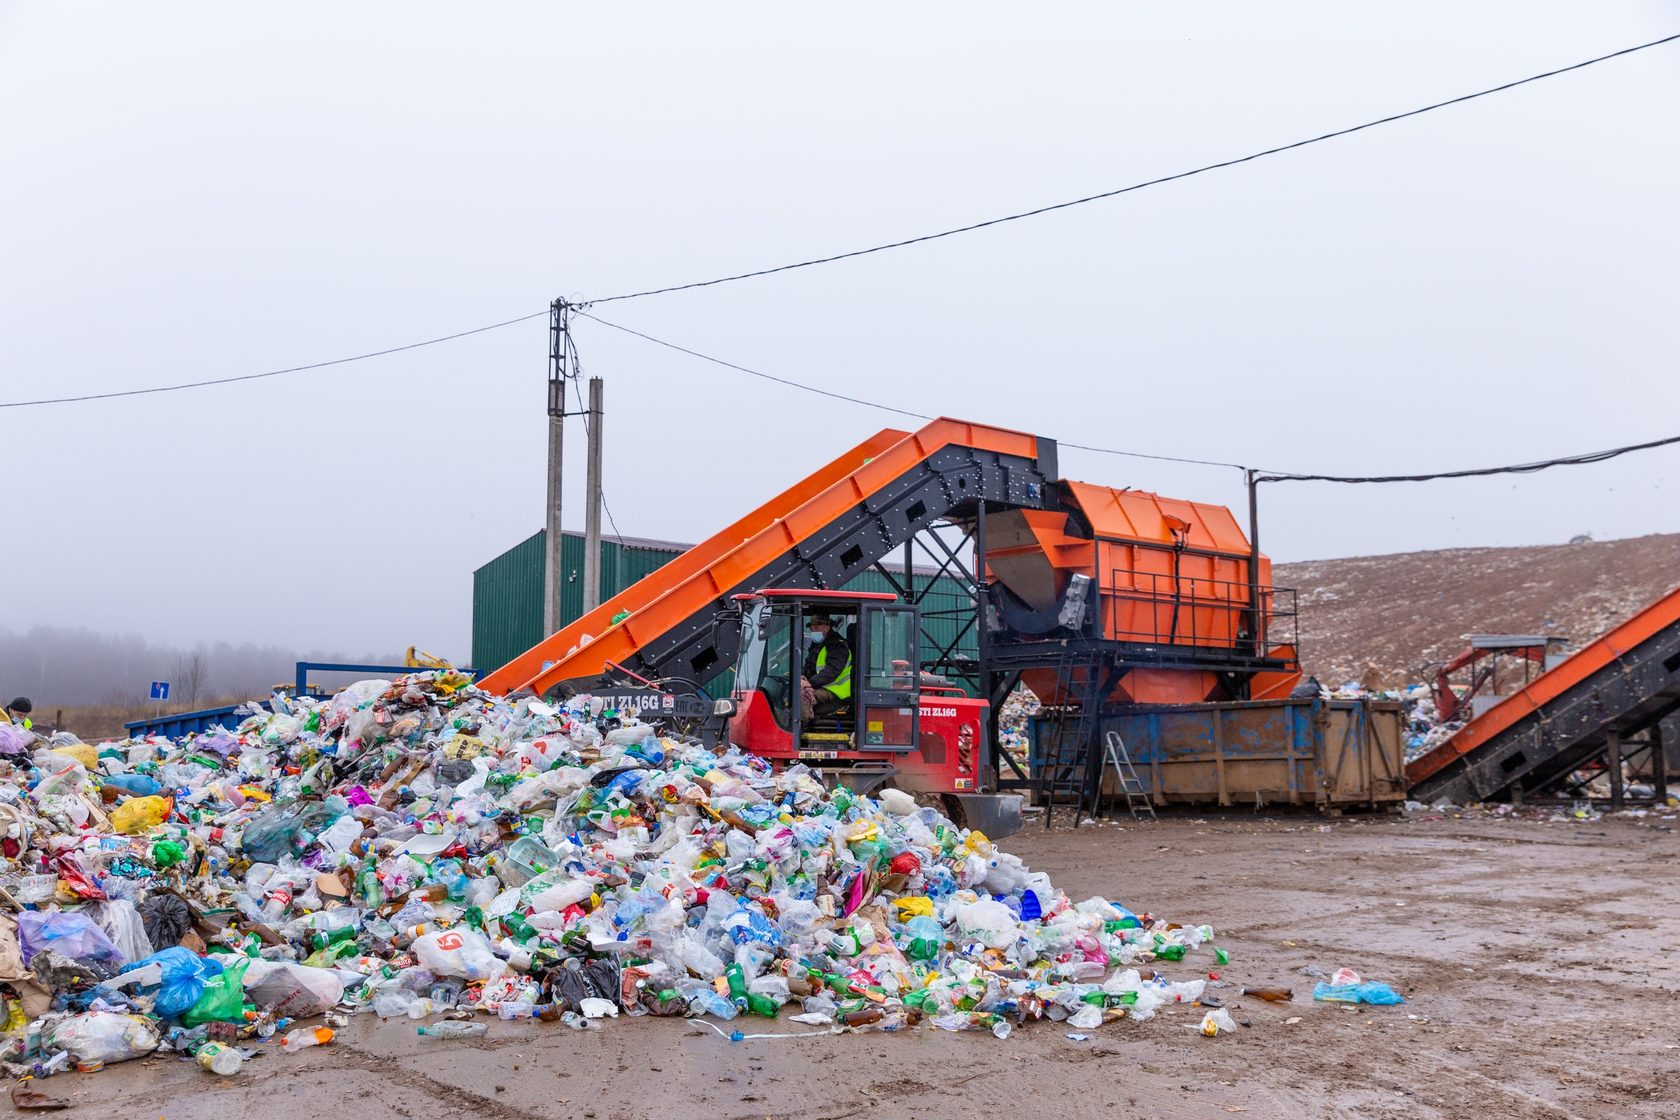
x=827 y=683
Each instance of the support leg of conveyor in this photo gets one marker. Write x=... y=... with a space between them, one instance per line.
x=1613 y=763
x=1659 y=763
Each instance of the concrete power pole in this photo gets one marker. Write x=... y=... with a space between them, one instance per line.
x=592 y=508
x=561 y=359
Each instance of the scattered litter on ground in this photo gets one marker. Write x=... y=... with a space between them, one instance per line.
x=420 y=849
x=1346 y=986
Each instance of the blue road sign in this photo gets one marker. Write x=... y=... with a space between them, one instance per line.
x=160 y=690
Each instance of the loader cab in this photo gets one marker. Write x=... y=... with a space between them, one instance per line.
x=881 y=715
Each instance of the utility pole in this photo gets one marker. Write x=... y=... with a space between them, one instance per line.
x=562 y=363
x=1256 y=615
x=592 y=508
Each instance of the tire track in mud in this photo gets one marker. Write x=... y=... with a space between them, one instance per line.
x=409 y=1077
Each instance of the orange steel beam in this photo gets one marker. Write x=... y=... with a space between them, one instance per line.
x=678 y=591
x=1548 y=686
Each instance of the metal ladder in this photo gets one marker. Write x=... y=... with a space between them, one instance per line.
x=1116 y=755
x=1065 y=775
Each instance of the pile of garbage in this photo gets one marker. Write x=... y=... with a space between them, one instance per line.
x=1425 y=730
x=1015 y=724
x=418 y=848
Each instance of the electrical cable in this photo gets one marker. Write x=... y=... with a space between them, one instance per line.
x=873 y=249
x=753 y=372
x=1146 y=183
x=1265 y=475
x=876 y=404
x=274 y=372
x=1582 y=459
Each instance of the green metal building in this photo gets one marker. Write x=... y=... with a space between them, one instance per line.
x=507 y=616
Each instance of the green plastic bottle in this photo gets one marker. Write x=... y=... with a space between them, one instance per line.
x=737 y=985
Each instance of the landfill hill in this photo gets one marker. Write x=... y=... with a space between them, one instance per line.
x=1383 y=620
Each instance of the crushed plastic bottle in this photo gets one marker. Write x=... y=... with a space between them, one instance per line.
x=305 y=1037
x=453 y=1029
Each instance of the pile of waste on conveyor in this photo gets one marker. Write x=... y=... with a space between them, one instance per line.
x=1014 y=724
x=420 y=848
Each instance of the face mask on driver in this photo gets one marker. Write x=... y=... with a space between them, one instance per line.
x=814 y=637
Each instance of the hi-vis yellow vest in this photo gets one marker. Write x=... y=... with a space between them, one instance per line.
x=841 y=686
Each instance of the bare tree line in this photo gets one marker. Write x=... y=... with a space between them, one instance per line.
x=62 y=666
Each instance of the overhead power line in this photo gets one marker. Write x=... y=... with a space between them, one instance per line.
x=856 y=252
x=1476 y=472
x=1261 y=474
x=1252 y=156
x=876 y=404
x=274 y=372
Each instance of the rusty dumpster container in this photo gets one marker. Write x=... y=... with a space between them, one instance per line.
x=1328 y=754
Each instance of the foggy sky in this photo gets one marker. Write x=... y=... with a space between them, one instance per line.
x=194 y=191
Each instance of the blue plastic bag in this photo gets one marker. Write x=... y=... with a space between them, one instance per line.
x=749 y=925
x=1367 y=992
x=185 y=974
x=136 y=784
x=68 y=933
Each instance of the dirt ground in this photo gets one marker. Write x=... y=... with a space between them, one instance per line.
x=1538 y=959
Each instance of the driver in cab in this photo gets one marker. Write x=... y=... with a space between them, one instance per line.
x=827 y=680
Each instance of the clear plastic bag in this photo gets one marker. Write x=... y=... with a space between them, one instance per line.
x=292 y=990
x=101 y=1036
x=458 y=952
x=123 y=924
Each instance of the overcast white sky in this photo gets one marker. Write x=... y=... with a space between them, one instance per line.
x=192 y=191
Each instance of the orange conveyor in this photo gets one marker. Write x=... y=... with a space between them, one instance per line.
x=821 y=530
x=1622 y=682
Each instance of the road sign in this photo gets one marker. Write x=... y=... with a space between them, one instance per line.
x=160 y=690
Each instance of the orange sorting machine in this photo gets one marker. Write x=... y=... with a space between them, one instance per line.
x=1159 y=586
x=1115 y=594
x=1569 y=717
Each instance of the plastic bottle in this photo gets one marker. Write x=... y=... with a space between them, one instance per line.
x=390 y=1003
x=305 y=1037
x=275 y=904
x=737 y=981
x=224 y=1061
x=709 y=1002
x=451 y=1028
x=454 y=879
x=517 y=927
x=1271 y=995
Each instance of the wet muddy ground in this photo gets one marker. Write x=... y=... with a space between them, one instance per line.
x=1539 y=960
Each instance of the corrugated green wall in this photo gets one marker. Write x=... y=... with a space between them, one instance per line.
x=508 y=594
x=508 y=603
